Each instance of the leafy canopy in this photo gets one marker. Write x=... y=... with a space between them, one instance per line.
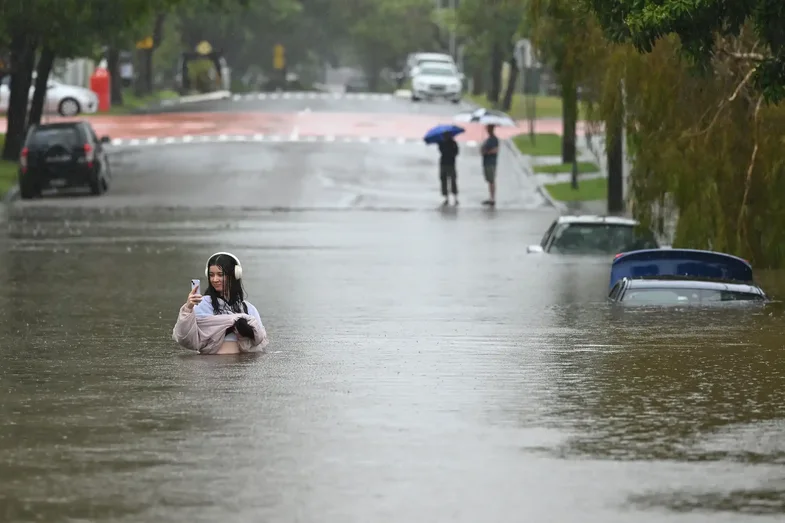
x=698 y=23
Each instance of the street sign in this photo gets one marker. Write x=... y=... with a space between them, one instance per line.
x=524 y=54
x=146 y=43
x=279 y=60
x=204 y=48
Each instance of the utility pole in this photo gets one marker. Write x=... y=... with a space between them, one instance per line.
x=452 y=31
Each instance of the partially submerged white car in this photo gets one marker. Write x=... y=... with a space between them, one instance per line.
x=595 y=235
x=64 y=99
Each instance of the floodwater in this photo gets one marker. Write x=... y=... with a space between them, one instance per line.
x=422 y=367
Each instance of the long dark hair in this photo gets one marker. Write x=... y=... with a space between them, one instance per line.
x=236 y=294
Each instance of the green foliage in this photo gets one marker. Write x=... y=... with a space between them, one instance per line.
x=543 y=145
x=561 y=168
x=698 y=23
x=383 y=33
x=588 y=190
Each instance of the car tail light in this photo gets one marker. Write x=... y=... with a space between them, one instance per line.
x=620 y=254
x=89 y=154
x=23 y=159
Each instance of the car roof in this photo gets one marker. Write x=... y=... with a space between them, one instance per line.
x=595 y=218
x=434 y=57
x=662 y=283
x=59 y=125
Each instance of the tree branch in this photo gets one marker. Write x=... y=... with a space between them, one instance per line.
x=724 y=104
x=748 y=180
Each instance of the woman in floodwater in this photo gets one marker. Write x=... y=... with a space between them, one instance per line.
x=221 y=321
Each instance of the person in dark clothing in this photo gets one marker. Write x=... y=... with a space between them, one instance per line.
x=448 y=148
x=490 y=153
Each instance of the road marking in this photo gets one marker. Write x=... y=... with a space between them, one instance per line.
x=293 y=137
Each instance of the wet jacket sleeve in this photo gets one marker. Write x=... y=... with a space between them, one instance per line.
x=255 y=321
x=186 y=331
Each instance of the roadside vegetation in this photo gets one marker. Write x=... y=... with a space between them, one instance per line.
x=699 y=102
x=8 y=172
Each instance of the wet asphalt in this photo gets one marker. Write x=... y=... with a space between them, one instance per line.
x=422 y=366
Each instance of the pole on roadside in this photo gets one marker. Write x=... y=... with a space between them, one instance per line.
x=616 y=161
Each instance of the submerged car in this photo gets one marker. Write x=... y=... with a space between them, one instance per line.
x=594 y=235
x=682 y=277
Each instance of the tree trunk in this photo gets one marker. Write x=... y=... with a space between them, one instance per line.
x=22 y=61
x=45 y=62
x=115 y=80
x=478 y=86
x=569 y=94
x=497 y=61
x=616 y=160
x=511 y=81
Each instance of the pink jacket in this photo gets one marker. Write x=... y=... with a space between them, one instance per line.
x=205 y=334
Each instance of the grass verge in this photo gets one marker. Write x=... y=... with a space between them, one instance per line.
x=8 y=172
x=543 y=145
x=131 y=102
x=545 y=106
x=596 y=189
x=583 y=168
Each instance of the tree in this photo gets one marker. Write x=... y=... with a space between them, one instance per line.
x=383 y=33
x=698 y=25
x=568 y=39
x=492 y=27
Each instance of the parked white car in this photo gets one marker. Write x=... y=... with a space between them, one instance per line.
x=67 y=100
x=415 y=60
x=437 y=80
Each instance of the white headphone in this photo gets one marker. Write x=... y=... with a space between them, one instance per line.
x=238 y=269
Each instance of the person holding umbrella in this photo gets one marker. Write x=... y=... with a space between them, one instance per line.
x=448 y=175
x=490 y=148
x=444 y=136
x=490 y=154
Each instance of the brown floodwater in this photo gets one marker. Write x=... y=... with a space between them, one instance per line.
x=422 y=367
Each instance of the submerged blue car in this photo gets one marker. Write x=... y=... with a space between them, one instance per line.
x=681 y=277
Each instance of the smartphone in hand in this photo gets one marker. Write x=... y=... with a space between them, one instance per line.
x=196 y=284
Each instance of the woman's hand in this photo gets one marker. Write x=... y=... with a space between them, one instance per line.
x=193 y=299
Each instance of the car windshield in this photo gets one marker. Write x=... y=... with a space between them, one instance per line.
x=66 y=136
x=665 y=296
x=601 y=238
x=440 y=71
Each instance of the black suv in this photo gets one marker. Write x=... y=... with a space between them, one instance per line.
x=61 y=155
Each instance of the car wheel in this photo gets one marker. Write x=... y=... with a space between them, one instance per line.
x=98 y=185
x=415 y=99
x=456 y=100
x=69 y=107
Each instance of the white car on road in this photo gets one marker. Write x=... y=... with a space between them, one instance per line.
x=437 y=80
x=64 y=99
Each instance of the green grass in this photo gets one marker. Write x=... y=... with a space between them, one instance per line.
x=8 y=171
x=545 y=106
x=131 y=102
x=595 y=189
x=544 y=144
x=583 y=168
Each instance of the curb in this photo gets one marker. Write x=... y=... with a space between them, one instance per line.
x=526 y=168
x=194 y=98
x=11 y=195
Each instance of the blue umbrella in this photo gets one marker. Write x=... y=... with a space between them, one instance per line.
x=435 y=135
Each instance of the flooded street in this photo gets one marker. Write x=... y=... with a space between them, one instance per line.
x=422 y=367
